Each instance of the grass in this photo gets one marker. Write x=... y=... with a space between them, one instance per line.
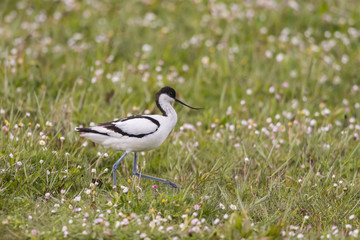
x=277 y=145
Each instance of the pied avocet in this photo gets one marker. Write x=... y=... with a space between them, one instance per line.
x=138 y=133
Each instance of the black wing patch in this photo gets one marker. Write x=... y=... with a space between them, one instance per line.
x=140 y=116
x=112 y=126
x=89 y=130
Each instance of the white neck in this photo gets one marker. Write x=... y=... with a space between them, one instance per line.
x=168 y=109
x=165 y=105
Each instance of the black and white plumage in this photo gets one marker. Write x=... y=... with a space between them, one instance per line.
x=138 y=133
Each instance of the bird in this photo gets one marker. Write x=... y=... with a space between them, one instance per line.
x=138 y=133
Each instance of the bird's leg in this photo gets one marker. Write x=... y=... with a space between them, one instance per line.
x=171 y=184
x=115 y=167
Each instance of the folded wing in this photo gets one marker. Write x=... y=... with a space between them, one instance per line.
x=135 y=126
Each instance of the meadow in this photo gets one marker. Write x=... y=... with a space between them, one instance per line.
x=274 y=154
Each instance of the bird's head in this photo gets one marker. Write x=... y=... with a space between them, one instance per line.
x=168 y=94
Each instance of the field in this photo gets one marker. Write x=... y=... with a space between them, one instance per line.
x=274 y=154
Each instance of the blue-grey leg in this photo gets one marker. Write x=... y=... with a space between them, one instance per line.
x=115 y=166
x=171 y=184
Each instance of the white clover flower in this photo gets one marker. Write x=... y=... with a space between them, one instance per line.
x=325 y=112
x=216 y=221
x=205 y=60
x=268 y=54
x=272 y=89
x=196 y=229
x=354 y=233
x=280 y=57
x=194 y=221
x=125 y=189
x=146 y=48
x=117 y=224
x=233 y=207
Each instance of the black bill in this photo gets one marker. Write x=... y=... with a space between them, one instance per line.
x=177 y=100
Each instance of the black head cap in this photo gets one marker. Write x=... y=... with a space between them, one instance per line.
x=165 y=90
x=171 y=93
